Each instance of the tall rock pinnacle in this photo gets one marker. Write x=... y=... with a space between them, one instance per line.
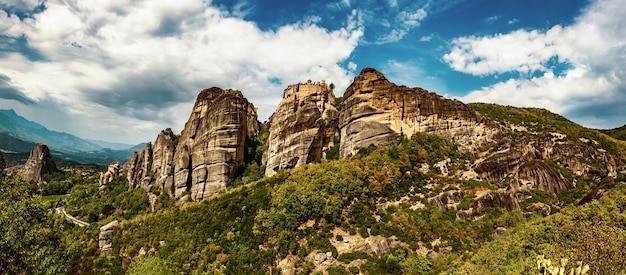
x=302 y=127
x=212 y=143
x=39 y=162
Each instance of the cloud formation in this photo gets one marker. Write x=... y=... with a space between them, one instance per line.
x=588 y=73
x=137 y=63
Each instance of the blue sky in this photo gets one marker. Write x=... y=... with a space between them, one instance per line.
x=123 y=70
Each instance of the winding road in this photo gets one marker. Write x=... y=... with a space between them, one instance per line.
x=70 y=217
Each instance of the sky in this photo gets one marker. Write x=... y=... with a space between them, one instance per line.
x=123 y=70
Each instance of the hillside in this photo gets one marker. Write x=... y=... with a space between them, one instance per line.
x=618 y=133
x=411 y=183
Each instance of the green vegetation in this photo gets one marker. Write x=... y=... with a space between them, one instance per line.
x=538 y=121
x=618 y=133
x=379 y=192
x=30 y=242
x=588 y=234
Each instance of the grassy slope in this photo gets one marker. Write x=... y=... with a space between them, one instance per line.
x=248 y=229
x=618 y=133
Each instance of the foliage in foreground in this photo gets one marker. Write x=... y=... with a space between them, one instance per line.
x=594 y=234
x=30 y=242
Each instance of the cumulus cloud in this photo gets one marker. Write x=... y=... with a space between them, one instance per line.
x=591 y=52
x=133 y=61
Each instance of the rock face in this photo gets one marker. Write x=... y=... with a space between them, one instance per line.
x=104 y=239
x=202 y=160
x=447 y=200
x=376 y=111
x=499 y=165
x=507 y=199
x=540 y=175
x=212 y=143
x=39 y=162
x=540 y=208
x=138 y=168
x=163 y=159
x=303 y=126
x=107 y=176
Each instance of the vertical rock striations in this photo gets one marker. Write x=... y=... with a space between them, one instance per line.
x=138 y=168
x=202 y=160
x=303 y=126
x=376 y=111
x=163 y=160
x=212 y=143
x=39 y=162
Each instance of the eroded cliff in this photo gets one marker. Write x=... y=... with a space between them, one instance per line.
x=303 y=126
x=376 y=111
x=39 y=162
x=212 y=143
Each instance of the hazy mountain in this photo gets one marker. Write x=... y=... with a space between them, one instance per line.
x=19 y=135
x=29 y=131
x=111 y=145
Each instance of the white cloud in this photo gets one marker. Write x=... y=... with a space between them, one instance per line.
x=351 y=66
x=593 y=47
x=137 y=65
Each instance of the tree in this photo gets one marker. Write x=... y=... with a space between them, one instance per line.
x=29 y=243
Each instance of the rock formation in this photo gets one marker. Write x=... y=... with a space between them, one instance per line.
x=500 y=165
x=540 y=208
x=376 y=111
x=104 y=239
x=507 y=199
x=303 y=126
x=203 y=159
x=138 y=168
x=540 y=175
x=107 y=176
x=212 y=143
x=39 y=162
x=447 y=200
x=163 y=160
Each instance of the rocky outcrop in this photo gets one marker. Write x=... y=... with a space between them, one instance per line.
x=302 y=128
x=500 y=165
x=212 y=143
x=163 y=160
x=540 y=175
x=138 y=168
x=106 y=177
x=506 y=199
x=540 y=208
x=376 y=111
x=39 y=162
x=104 y=239
x=522 y=165
x=448 y=200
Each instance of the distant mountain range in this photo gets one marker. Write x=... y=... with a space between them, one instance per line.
x=18 y=135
